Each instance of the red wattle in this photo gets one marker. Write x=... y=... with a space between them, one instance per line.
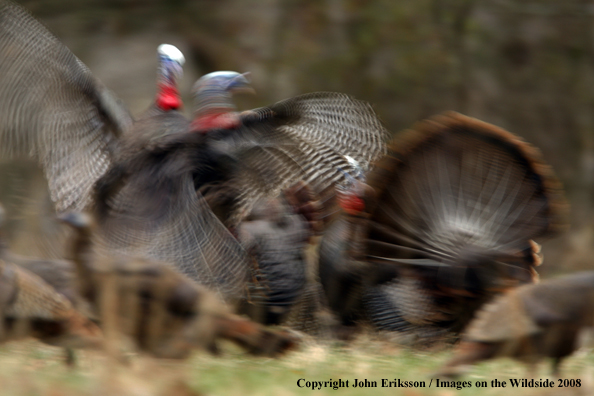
x=168 y=98
x=226 y=120
x=352 y=204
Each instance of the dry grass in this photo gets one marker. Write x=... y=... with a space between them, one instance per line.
x=30 y=368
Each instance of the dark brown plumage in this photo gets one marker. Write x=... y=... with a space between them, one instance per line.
x=30 y=307
x=455 y=206
x=275 y=235
x=530 y=323
x=142 y=176
x=163 y=311
x=59 y=274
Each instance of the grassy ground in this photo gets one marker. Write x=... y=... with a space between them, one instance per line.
x=29 y=368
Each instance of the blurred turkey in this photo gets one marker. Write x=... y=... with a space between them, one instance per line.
x=548 y=319
x=275 y=234
x=163 y=311
x=277 y=228
x=142 y=177
x=30 y=307
x=442 y=223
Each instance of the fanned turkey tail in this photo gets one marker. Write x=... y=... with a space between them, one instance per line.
x=455 y=206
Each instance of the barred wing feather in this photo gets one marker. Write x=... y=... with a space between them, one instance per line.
x=53 y=109
x=306 y=138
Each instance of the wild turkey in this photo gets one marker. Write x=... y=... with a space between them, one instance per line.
x=256 y=155
x=445 y=221
x=164 y=312
x=275 y=234
x=529 y=323
x=52 y=108
x=31 y=307
x=277 y=228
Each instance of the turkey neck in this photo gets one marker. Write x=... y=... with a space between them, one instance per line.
x=154 y=124
x=168 y=97
x=212 y=99
x=214 y=108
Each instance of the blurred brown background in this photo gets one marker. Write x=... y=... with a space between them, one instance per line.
x=524 y=65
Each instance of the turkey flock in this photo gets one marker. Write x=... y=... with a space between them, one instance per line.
x=306 y=214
